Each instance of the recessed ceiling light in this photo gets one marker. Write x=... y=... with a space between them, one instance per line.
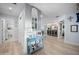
x=10 y=8
x=57 y=16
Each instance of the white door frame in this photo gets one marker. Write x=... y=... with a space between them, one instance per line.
x=59 y=34
x=3 y=30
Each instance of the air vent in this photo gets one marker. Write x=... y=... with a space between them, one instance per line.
x=14 y=3
x=77 y=6
x=57 y=16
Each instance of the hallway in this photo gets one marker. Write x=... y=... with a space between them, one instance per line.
x=24 y=25
x=54 y=46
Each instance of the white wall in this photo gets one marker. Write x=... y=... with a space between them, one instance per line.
x=21 y=26
x=28 y=23
x=21 y=29
x=10 y=21
x=71 y=37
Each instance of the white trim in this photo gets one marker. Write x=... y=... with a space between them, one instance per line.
x=73 y=43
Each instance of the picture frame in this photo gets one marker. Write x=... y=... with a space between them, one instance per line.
x=74 y=28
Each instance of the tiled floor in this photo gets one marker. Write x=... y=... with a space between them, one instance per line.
x=55 y=46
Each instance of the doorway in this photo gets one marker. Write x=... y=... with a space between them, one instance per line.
x=61 y=29
x=52 y=30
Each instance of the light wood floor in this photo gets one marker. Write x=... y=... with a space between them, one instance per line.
x=54 y=46
x=10 y=48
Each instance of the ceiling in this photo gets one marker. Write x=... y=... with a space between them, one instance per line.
x=10 y=8
x=52 y=10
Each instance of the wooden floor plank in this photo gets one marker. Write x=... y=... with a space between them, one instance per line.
x=55 y=46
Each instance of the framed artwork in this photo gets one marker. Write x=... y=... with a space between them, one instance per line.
x=74 y=28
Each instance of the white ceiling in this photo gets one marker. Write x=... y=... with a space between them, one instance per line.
x=51 y=10
x=16 y=9
x=55 y=9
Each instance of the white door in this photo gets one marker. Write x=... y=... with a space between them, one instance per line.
x=1 y=31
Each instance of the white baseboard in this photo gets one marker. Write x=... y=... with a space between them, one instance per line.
x=73 y=43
